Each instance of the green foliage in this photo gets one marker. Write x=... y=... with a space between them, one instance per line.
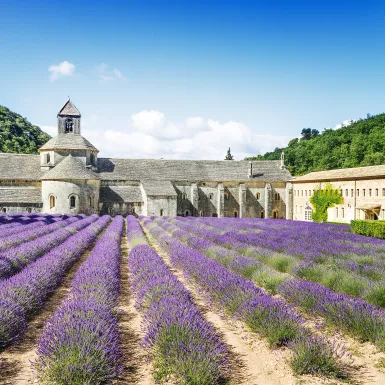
x=369 y=228
x=322 y=199
x=360 y=144
x=228 y=155
x=18 y=135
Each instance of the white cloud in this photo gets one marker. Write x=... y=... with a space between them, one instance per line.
x=65 y=68
x=152 y=135
x=107 y=73
x=345 y=123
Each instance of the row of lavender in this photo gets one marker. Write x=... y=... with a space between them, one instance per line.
x=16 y=258
x=353 y=315
x=356 y=271
x=182 y=344
x=238 y=297
x=80 y=343
x=25 y=293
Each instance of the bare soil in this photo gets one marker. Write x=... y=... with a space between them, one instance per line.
x=137 y=368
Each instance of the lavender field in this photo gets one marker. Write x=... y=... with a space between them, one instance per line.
x=185 y=300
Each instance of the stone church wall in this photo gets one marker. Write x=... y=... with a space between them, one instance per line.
x=161 y=206
x=63 y=190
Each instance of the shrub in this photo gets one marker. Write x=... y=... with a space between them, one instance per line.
x=369 y=228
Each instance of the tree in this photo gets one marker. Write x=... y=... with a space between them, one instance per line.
x=228 y=155
x=322 y=199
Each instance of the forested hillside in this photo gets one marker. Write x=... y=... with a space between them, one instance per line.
x=18 y=135
x=360 y=144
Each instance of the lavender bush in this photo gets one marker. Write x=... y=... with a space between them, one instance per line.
x=80 y=343
x=24 y=293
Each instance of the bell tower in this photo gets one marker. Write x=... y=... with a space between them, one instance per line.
x=68 y=119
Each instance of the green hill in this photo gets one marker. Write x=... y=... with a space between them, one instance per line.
x=18 y=135
x=360 y=144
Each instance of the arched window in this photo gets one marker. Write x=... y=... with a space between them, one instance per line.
x=235 y=214
x=92 y=201
x=211 y=196
x=201 y=213
x=258 y=195
x=72 y=202
x=29 y=210
x=161 y=212
x=308 y=213
x=262 y=214
x=47 y=158
x=4 y=209
x=226 y=195
x=69 y=126
x=52 y=202
x=187 y=213
x=184 y=196
x=275 y=214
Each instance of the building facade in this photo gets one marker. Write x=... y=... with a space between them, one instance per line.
x=362 y=189
x=69 y=177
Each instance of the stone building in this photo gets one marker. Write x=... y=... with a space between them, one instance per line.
x=363 y=190
x=69 y=177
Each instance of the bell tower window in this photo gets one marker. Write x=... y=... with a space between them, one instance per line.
x=69 y=126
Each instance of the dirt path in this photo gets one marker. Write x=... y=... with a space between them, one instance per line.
x=137 y=368
x=258 y=364
x=18 y=358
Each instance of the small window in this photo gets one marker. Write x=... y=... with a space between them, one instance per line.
x=258 y=195
x=3 y=209
x=201 y=213
x=363 y=192
x=346 y=192
x=275 y=214
x=296 y=209
x=352 y=192
x=309 y=193
x=343 y=212
x=342 y=192
x=92 y=159
x=161 y=212
x=184 y=196
x=29 y=210
x=211 y=196
x=370 y=192
x=383 y=192
x=277 y=197
x=235 y=214
x=305 y=194
x=337 y=212
x=69 y=126
x=262 y=214
x=301 y=192
x=72 y=202
x=376 y=192
x=358 y=192
x=52 y=202
x=226 y=195
x=187 y=213
x=47 y=158
x=92 y=201
x=308 y=214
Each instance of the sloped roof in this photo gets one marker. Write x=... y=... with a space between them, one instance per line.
x=20 y=166
x=70 y=168
x=68 y=142
x=158 y=188
x=343 y=173
x=69 y=109
x=20 y=195
x=191 y=170
x=121 y=194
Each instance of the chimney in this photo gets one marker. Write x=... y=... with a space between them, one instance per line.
x=250 y=170
x=283 y=160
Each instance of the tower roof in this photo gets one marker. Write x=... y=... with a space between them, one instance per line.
x=70 y=168
x=69 y=109
x=68 y=142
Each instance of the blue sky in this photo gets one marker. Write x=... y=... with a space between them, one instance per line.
x=187 y=79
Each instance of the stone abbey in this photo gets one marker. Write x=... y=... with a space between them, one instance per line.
x=69 y=177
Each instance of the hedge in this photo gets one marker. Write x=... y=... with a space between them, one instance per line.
x=369 y=228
